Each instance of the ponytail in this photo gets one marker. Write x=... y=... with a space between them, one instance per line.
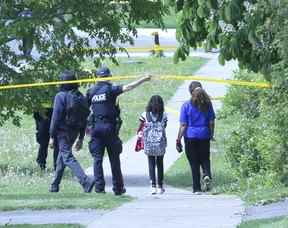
x=201 y=99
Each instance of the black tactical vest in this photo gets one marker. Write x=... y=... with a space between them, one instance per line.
x=103 y=102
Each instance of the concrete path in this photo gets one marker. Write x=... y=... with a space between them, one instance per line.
x=176 y=207
x=267 y=211
x=71 y=216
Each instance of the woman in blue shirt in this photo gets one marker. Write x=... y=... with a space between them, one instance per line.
x=197 y=126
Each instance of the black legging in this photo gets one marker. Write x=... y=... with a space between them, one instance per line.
x=154 y=161
x=198 y=154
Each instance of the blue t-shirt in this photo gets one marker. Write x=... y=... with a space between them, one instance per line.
x=197 y=122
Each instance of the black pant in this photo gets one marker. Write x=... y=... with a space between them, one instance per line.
x=42 y=137
x=154 y=161
x=104 y=137
x=198 y=154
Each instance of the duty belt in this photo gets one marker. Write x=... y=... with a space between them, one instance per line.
x=102 y=119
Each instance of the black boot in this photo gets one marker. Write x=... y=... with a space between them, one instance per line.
x=121 y=192
x=54 y=188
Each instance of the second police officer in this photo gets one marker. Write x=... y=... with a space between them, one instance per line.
x=42 y=119
x=102 y=98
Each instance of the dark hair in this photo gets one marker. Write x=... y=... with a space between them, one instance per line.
x=201 y=99
x=68 y=75
x=193 y=85
x=156 y=105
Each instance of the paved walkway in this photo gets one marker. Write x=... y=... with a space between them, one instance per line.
x=71 y=216
x=176 y=207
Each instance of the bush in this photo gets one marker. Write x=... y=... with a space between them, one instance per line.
x=257 y=144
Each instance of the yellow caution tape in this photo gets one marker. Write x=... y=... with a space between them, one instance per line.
x=216 y=98
x=141 y=49
x=117 y=78
x=221 y=81
x=87 y=80
x=171 y=110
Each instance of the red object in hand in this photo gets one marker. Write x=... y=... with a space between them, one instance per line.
x=140 y=140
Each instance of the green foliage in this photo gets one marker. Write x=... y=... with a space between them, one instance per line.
x=244 y=100
x=243 y=30
x=257 y=142
x=169 y=21
x=40 y=38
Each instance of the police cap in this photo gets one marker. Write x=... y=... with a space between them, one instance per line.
x=103 y=72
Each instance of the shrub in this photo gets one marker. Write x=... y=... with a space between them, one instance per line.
x=257 y=143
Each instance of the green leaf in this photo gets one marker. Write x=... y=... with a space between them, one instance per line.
x=228 y=13
x=212 y=4
x=201 y=2
x=201 y=12
x=221 y=59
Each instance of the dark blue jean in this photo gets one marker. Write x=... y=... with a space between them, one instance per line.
x=66 y=158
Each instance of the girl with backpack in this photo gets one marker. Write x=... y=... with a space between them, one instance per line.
x=152 y=138
x=197 y=126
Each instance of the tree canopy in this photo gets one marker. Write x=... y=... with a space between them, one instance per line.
x=40 y=38
x=246 y=30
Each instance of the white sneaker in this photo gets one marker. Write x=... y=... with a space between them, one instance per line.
x=153 y=190
x=160 y=190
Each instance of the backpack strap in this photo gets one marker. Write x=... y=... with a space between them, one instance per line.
x=148 y=117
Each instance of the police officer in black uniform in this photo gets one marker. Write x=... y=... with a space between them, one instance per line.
x=42 y=119
x=104 y=135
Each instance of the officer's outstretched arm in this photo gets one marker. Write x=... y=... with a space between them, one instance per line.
x=136 y=83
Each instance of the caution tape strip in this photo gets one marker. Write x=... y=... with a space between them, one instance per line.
x=220 y=81
x=87 y=80
x=141 y=49
x=118 y=78
x=217 y=98
x=171 y=110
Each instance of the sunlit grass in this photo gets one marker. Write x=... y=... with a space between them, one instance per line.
x=22 y=192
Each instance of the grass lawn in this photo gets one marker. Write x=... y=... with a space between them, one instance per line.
x=19 y=171
x=32 y=192
x=281 y=222
x=46 y=226
x=179 y=174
